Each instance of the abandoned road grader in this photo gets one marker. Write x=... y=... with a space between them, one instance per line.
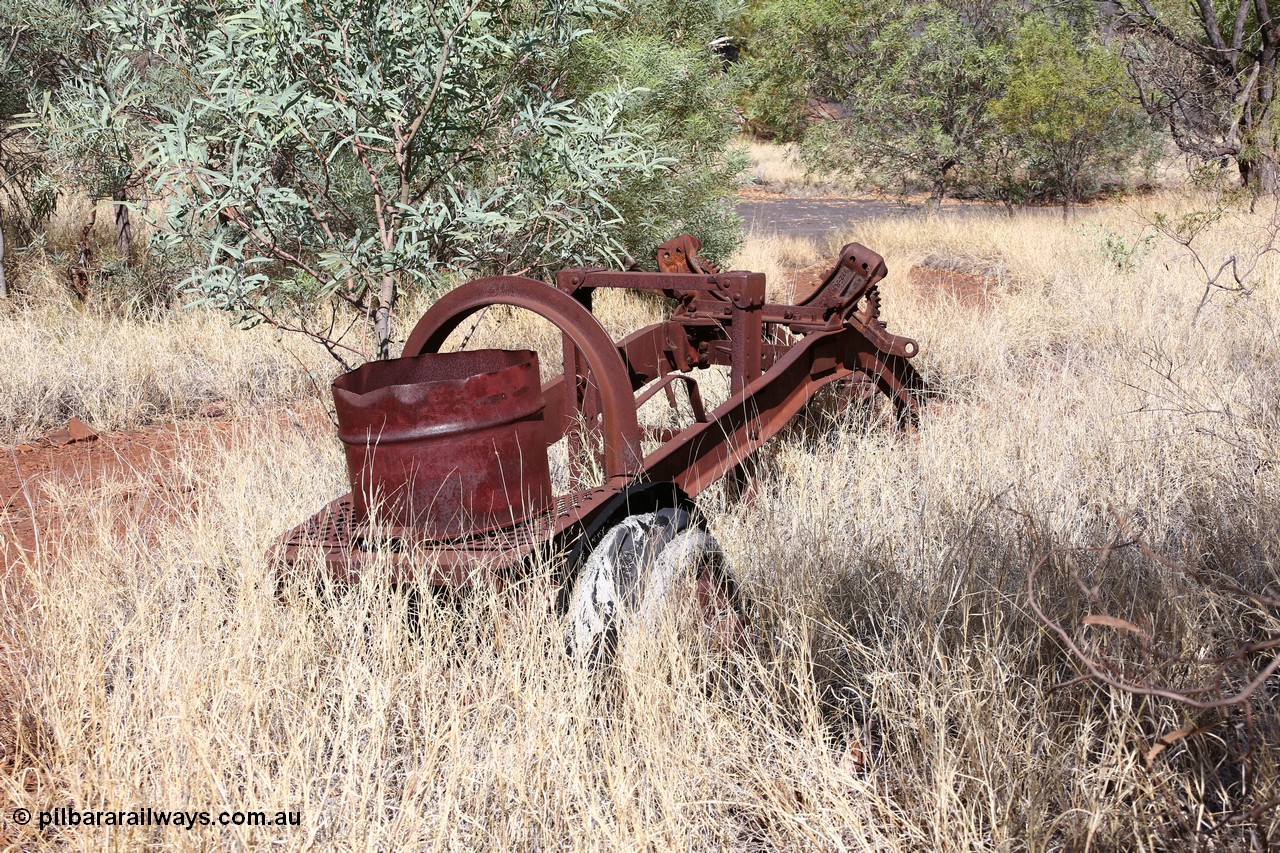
x=448 y=452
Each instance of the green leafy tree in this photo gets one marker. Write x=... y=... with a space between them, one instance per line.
x=666 y=56
x=793 y=52
x=1070 y=110
x=39 y=41
x=96 y=125
x=920 y=112
x=324 y=156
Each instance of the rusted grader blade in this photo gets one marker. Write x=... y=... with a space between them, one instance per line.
x=449 y=451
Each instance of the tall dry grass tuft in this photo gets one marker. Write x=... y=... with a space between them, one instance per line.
x=120 y=372
x=899 y=694
x=122 y=365
x=778 y=169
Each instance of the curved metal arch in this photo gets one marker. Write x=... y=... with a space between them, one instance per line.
x=622 y=453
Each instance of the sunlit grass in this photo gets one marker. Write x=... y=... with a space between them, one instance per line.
x=898 y=695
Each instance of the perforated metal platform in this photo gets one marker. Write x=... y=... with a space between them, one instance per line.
x=350 y=546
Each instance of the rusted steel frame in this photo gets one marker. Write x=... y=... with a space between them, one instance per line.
x=897 y=379
x=680 y=254
x=857 y=271
x=582 y=401
x=647 y=354
x=720 y=353
x=732 y=297
x=798 y=319
x=737 y=287
x=887 y=343
x=703 y=453
x=744 y=292
x=575 y=278
x=661 y=348
x=690 y=387
x=746 y=338
x=622 y=453
x=808 y=321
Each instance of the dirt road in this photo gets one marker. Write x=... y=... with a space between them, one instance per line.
x=818 y=219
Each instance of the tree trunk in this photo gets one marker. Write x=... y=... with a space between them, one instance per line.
x=1259 y=174
x=1070 y=184
x=124 y=227
x=935 y=199
x=4 y=285
x=382 y=317
x=940 y=186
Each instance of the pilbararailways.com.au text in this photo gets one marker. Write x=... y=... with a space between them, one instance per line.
x=66 y=816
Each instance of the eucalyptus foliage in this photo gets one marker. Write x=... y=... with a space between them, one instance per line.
x=37 y=38
x=921 y=108
x=668 y=55
x=327 y=155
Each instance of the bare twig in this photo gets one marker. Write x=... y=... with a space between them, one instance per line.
x=1113 y=675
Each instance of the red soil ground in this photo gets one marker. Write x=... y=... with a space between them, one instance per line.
x=69 y=458
x=28 y=470
x=966 y=289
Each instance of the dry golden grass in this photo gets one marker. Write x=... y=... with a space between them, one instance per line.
x=777 y=169
x=898 y=697
x=119 y=369
x=117 y=373
x=776 y=254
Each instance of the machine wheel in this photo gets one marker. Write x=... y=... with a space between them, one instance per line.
x=642 y=566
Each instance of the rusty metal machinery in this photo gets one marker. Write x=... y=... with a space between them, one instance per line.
x=778 y=357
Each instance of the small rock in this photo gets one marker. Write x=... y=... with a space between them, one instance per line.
x=75 y=430
x=81 y=431
x=57 y=438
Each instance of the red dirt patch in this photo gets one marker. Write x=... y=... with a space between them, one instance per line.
x=75 y=455
x=79 y=457
x=967 y=289
x=796 y=284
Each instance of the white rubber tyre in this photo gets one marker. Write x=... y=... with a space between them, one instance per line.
x=636 y=570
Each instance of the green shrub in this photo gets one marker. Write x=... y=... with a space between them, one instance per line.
x=665 y=56
x=326 y=156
